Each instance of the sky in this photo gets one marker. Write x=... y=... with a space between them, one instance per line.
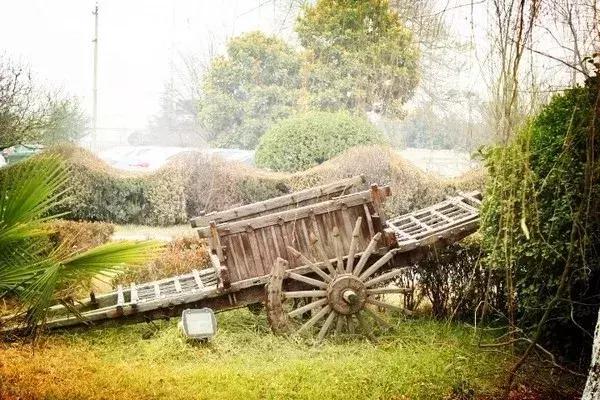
x=142 y=44
x=137 y=42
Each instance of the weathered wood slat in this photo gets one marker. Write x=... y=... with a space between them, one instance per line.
x=120 y=296
x=350 y=200
x=133 y=293
x=197 y=279
x=273 y=205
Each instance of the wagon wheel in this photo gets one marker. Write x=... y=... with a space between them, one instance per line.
x=340 y=298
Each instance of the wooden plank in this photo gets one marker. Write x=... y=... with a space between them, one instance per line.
x=177 y=284
x=297 y=213
x=339 y=250
x=256 y=253
x=244 y=250
x=120 y=296
x=369 y=220
x=270 y=256
x=270 y=205
x=216 y=241
x=156 y=290
x=197 y=279
x=275 y=241
x=133 y=294
x=353 y=245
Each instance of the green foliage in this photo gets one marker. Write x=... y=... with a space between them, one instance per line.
x=360 y=56
x=541 y=215
x=454 y=280
x=30 y=269
x=244 y=92
x=419 y=360
x=305 y=140
x=98 y=193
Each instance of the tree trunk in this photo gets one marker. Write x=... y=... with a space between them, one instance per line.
x=592 y=387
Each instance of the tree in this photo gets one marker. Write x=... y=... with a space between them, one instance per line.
x=245 y=91
x=30 y=114
x=175 y=124
x=360 y=56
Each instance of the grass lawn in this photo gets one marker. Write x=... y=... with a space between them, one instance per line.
x=145 y=232
x=422 y=359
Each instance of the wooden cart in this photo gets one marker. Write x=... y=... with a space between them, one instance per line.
x=326 y=256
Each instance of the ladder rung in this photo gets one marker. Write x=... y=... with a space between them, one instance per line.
x=120 y=296
x=197 y=279
x=134 y=293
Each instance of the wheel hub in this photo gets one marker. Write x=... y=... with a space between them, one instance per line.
x=347 y=294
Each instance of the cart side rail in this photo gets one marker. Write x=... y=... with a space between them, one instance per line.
x=296 y=199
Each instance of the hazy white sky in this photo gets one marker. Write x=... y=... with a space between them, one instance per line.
x=136 y=41
x=139 y=38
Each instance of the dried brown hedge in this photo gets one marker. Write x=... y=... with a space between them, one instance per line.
x=193 y=183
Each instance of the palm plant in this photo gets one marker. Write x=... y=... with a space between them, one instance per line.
x=30 y=268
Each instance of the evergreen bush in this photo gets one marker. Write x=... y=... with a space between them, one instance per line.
x=308 y=139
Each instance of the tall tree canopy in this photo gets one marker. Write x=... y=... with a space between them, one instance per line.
x=360 y=56
x=245 y=91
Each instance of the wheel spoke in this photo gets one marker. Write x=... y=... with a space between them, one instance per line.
x=326 y=326
x=378 y=264
x=383 y=304
x=308 y=307
x=306 y=261
x=384 y=277
x=389 y=290
x=306 y=279
x=315 y=318
x=353 y=244
x=367 y=253
x=339 y=326
x=317 y=245
x=304 y=293
x=350 y=324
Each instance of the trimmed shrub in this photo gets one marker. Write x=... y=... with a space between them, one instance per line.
x=100 y=193
x=212 y=184
x=308 y=139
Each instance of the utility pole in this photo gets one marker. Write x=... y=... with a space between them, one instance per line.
x=95 y=86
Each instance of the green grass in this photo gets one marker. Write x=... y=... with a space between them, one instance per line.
x=422 y=359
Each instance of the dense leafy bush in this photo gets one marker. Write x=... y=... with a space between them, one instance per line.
x=455 y=281
x=541 y=220
x=98 y=193
x=212 y=184
x=305 y=140
x=360 y=56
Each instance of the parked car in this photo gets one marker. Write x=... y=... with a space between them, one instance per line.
x=21 y=151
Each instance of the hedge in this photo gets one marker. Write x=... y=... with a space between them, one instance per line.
x=308 y=139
